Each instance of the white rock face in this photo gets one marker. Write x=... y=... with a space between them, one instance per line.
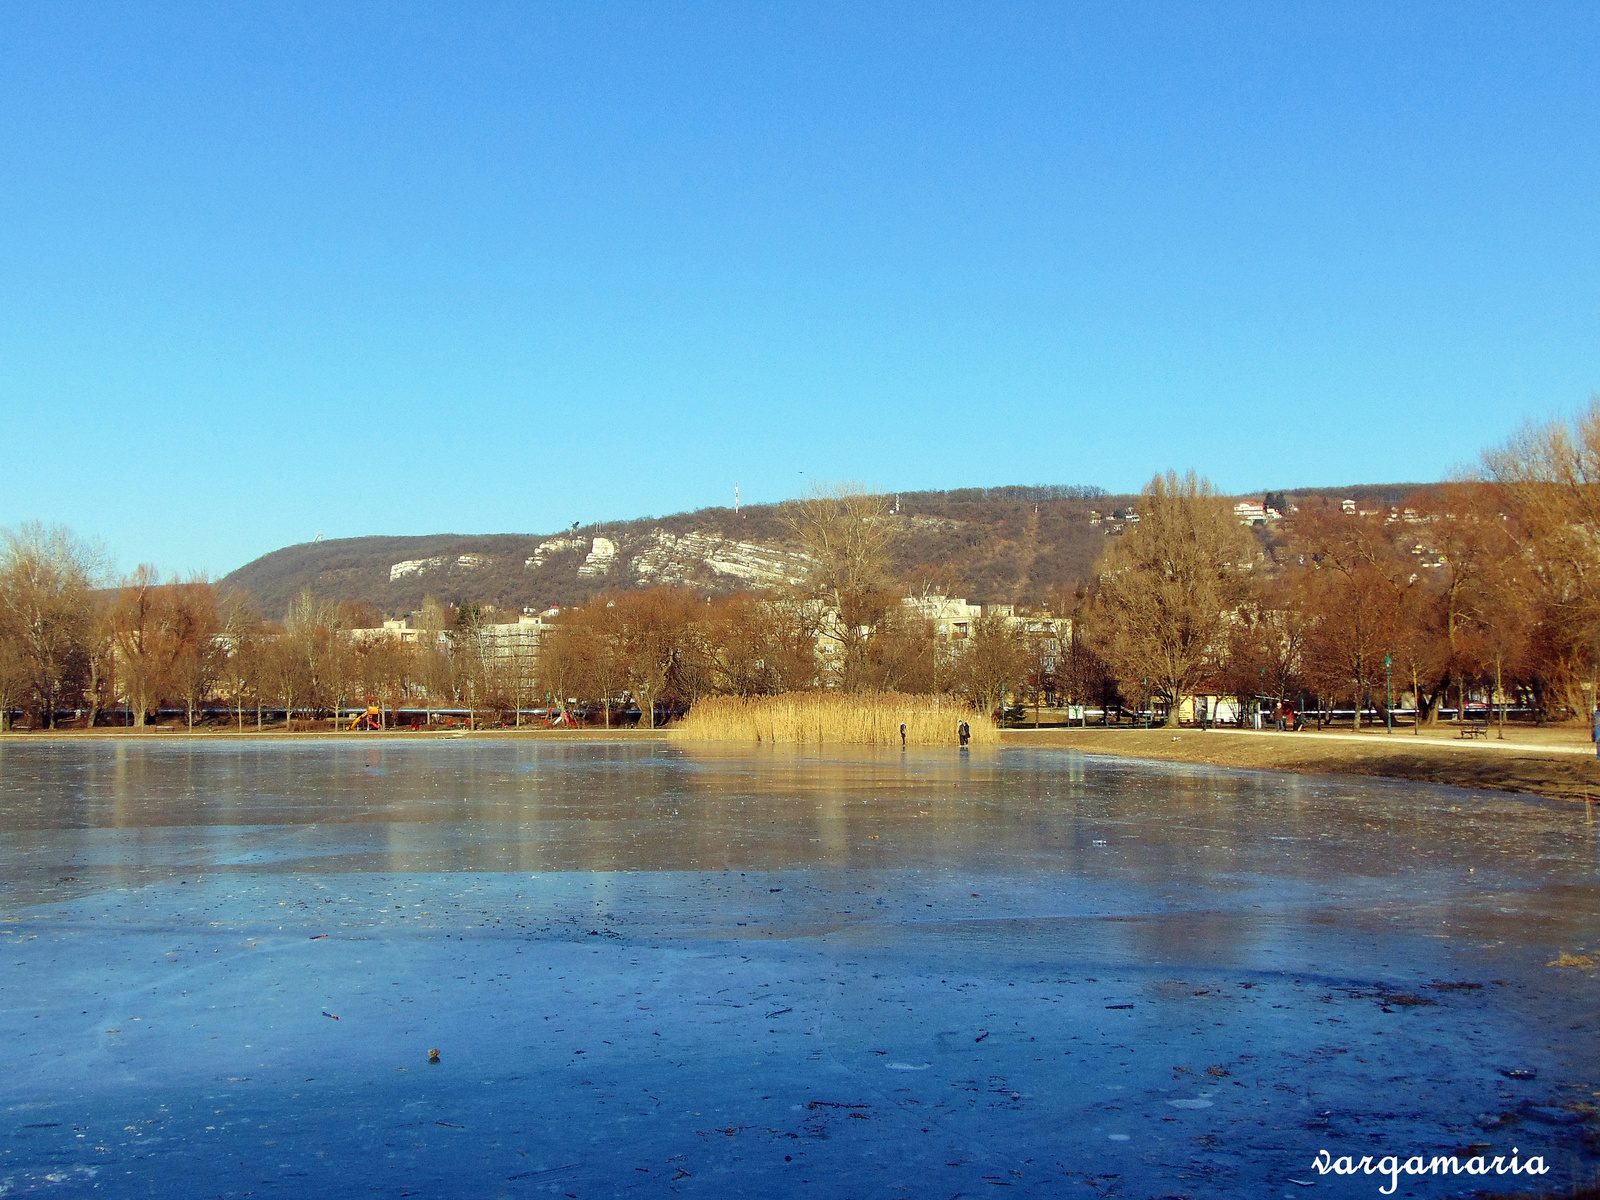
x=416 y=566
x=413 y=566
x=599 y=559
x=657 y=558
x=554 y=546
x=667 y=558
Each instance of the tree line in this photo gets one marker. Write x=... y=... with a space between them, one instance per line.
x=128 y=650
x=1484 y=587
x=1487 y=587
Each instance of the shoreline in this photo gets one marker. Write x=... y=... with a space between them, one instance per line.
x=113 y=734
x=1557 y=771
x=1558 y=764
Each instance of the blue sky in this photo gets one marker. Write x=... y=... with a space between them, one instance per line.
x=269 y=270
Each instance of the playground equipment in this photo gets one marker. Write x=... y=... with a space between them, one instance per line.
x=371 y=719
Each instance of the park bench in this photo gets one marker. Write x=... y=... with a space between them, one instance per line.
x=1475 y=731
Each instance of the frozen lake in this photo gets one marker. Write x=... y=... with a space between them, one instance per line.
x=652 y=971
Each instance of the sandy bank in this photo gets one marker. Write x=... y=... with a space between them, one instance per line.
x=1548 y=762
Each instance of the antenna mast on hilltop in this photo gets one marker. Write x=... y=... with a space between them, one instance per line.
x=736 y=499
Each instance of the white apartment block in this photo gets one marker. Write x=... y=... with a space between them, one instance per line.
x=502 y=639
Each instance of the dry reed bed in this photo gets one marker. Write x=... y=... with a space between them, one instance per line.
x=820 y=718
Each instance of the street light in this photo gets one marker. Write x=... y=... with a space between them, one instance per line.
x=1388 y=693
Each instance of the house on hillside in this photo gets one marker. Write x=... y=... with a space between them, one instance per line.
x=1252 y=512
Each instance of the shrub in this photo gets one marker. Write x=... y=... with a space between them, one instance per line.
x=819 y=718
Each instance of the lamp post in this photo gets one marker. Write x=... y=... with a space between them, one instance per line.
x=1594 y=700
x=1388 y=693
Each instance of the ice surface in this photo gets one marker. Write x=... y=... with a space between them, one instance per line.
x=658 y=971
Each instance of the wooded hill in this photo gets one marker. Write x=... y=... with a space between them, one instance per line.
x=1017 y=544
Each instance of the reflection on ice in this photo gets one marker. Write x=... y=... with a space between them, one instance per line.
x=657 y=970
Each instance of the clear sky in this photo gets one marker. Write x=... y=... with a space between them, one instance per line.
x=268 y=270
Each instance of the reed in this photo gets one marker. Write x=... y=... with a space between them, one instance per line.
x=823 y=718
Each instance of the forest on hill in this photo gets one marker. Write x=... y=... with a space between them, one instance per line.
x=1023 y=544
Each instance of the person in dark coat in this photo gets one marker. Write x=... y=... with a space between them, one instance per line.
x=965 y=733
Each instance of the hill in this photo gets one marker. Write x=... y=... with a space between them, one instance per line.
x=991 y=545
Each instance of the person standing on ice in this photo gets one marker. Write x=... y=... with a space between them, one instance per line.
x=965 y=733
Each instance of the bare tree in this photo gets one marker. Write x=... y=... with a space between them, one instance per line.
x=243 y=662
x=654 y=630
x=788 y=644
x=1548 y=485
x=994 y=659
x=472 y=651
x=198 y=648
x=283 y=669
x=1471 y=541
x=521 y=676
x=605 y=664
x=14 y=677
x=904 y=654
x=1266 y=643
x=46 y=578
x=100 y=651
x=142 y=635
x=311 y=643
x=1081 y=673
x=1167 y=588
x=846 y=533
x=1355 y=586
x=435 y=668
x=1046 y=651
x=383 y=670
x=562 y=655
x=398 y=679
x=746 y=644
